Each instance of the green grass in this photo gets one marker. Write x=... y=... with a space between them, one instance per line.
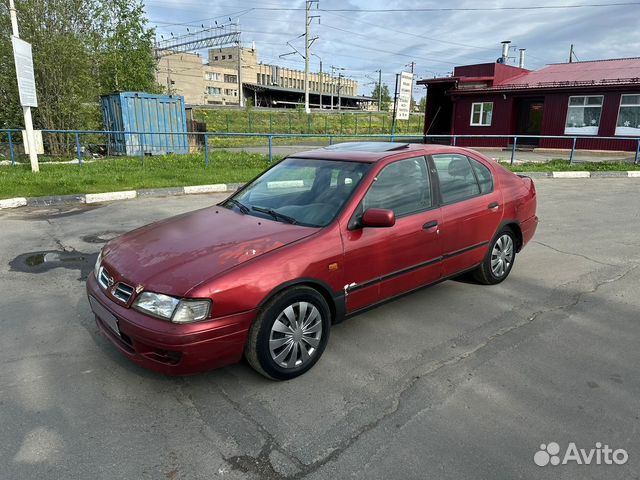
x=296 y=121
x=129 y=174
x=563 y=166
x=108 y=175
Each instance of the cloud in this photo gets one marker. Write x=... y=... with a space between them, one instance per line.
x=362 y=42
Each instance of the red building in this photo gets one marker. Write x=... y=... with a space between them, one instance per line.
x=582 y=99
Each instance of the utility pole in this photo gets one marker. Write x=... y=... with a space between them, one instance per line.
x=28 y=121
x=413 y=66
x=307 y=45
x=169 y=84
x=240 y=95
x=332 y=84
x=379 y=90
x=571 y=54
x=306 y=56
x=339 y=92
x=320 y=85
x=395 y=108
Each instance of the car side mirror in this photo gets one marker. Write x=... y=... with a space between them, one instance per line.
x=378 y=218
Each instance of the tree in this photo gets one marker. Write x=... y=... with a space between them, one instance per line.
x=126 y=60
x=422 y=104
x=81 y=49
x=386 y=97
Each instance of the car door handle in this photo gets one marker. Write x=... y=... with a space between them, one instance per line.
x=431 y=224
x=493 y=205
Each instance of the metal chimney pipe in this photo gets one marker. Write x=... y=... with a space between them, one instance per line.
x=505 y=50
x=521 y=60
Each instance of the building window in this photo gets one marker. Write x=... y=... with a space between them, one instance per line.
x=215 y=57
x=213 y=76
x=230 y=57
x=224 y=57
x=213 y=91
x=230 y=92
x=629 y=116
x=231 y=79
x=481 y=114
x=583 y=115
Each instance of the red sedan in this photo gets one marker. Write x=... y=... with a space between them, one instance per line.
x=315 y=239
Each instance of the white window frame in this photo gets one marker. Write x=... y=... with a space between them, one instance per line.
x=629 y=131
x=587 y=129
x=482 y=110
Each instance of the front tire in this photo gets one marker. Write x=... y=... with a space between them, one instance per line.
x=289 y=334
x=498 y=263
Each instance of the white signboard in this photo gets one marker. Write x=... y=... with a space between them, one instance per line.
x=404 y=96
x=24 y=70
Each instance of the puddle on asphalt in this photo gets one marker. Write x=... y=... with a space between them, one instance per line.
x=102 y=237
x=40 y=262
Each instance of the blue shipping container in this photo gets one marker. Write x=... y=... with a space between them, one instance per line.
x=151 y=124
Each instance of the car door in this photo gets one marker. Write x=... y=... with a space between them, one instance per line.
x=471 y=210
x=383 y=262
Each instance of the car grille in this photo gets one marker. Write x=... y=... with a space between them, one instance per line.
x=104 y=279
x=121 y=291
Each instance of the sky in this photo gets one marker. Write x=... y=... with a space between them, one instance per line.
x=361 y=41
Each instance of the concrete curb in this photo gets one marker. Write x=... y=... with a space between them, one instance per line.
x=91 y=198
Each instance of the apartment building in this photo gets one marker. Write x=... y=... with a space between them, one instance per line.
x=216 y=82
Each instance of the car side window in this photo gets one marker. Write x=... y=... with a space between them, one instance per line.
x=485 y=179
x=457 y=180
x=402 y=186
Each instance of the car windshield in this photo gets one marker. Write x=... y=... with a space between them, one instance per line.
x=300 y=191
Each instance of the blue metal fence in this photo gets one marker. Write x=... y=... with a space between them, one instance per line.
x=83 y=144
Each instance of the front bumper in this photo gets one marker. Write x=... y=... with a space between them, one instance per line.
x=167 y=347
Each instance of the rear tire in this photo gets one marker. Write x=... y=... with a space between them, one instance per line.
x=497 y=265
x=289 y=334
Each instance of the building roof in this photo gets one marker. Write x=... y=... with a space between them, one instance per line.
x=276 y=88
x=614 y=71
x=617 y=71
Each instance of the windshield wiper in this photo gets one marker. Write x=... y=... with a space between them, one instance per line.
x=243 y=208
x=276 y=215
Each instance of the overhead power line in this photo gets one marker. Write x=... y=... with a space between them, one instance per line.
x=433 y=9
x=479 y=9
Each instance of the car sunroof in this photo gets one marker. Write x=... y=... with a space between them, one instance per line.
x=367 y=146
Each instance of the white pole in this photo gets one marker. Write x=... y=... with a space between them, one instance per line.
x=28 y=122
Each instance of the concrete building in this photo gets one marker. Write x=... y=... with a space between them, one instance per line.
x=216 y=82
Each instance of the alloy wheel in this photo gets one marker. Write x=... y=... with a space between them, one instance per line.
x=295 y=335
x=502 y=256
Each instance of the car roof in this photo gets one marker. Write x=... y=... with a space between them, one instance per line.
x=371 y=152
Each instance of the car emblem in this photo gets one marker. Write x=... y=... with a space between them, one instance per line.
x=110 y=282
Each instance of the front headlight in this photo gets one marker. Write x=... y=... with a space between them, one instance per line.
x=156 y=304
x=96 y=268
x=173 y=309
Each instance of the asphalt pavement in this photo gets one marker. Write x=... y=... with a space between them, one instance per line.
x=456 y=381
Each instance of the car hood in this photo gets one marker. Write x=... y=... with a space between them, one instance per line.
x=174 y=255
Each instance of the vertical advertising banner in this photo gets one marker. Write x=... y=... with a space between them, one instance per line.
x=404 y=96
x=24 y=70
